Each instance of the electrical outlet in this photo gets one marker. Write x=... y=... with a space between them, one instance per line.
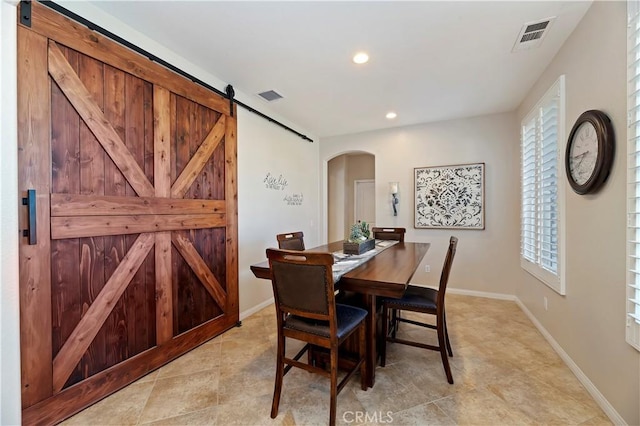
x=546 y=304
x=427 y=268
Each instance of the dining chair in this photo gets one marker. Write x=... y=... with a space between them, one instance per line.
x=291 y=241
x=423 y=300
x=303 y=290
x=389 y=233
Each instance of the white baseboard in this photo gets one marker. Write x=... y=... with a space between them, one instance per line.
x=485 y=294
x=608 y=409
x=253 y=310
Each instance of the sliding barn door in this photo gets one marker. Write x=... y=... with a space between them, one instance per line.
x=128 y=174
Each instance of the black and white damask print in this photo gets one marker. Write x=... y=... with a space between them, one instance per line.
x=450 y=196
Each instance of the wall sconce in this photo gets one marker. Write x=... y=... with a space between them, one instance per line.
x=393 y=188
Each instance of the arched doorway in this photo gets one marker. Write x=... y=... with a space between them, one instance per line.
x=346 y=175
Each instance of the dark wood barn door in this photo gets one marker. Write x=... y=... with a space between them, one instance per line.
x=132 y=254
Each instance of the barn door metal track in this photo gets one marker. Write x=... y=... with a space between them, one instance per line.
x=25 y=17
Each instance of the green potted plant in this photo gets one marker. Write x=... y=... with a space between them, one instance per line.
x=359 y=240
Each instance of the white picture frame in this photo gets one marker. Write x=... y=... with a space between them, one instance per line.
x=449 y=197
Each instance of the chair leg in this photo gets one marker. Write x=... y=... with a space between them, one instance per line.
x=385 y=331
x=363 y=356
x=443 y=351
x=334 y=386
x=279 y=375
x=446 y=335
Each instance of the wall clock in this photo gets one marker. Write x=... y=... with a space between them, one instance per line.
x=590 y=151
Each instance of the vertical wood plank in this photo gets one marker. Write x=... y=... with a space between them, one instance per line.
x=206 y=241
x=231 y=197
x=150 y=263
x=184 y=298
x=115 y=184
x=201 y=300
x=196 y=138
x=206 y=244
x=66 y=285
x=162 y=181
x=219 y=168
x=134 y=297
x=35 y=262
x=174 y=174
x=209 y=118
x=91 y=73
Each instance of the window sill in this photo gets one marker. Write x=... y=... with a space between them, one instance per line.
x=546 y=277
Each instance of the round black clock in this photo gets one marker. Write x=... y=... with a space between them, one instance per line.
x=590 y=151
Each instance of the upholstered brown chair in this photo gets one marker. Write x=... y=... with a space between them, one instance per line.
x=303 y=289
x=427 y=301
x=389 y=233
x=291 y=241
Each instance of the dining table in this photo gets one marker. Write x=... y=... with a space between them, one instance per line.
x=384 y=272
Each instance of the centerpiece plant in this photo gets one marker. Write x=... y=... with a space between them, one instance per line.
x=359 y=232
x=359 y=240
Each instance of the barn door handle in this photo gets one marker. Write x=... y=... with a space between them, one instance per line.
x=30 y=202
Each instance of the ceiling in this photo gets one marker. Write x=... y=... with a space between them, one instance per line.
x=429 y=61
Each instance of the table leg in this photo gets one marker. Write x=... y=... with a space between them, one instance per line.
x=372 y=355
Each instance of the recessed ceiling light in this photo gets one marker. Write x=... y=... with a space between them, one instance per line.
x=360 y=58
x=391 y=115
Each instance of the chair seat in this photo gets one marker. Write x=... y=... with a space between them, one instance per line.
x=416 y=297
x=348 y=318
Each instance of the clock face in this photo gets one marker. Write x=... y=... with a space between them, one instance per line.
x=583 y=153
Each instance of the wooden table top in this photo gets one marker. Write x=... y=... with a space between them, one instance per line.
x=386 y=274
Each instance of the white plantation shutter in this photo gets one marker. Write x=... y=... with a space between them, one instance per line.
x=541 y=158
x=633 y=177
x=529 y=204
x=548 y=197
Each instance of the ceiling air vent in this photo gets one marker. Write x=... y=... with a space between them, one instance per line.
x=270 y=95
x=532 y=34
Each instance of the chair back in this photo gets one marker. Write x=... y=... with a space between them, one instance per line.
x=291 y=241
x=396 y=234
x=446 y=270
x=303 y=284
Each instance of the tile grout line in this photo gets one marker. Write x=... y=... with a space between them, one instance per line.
x=155 y=380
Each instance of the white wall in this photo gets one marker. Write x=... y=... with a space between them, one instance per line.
x=336 y=203
x=9 y=295
x=262 y=213
x=589 y=322
x=486 y=261
x=342 y=172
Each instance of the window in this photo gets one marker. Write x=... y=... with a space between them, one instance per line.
x=633 y=176
x=542 y=196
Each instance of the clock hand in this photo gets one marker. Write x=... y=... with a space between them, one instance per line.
x=580 y=155
x=580 y=159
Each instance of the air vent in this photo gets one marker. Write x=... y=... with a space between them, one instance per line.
x=270 y=95
x=532 y=34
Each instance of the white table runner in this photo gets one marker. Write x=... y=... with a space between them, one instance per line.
x=347 y=262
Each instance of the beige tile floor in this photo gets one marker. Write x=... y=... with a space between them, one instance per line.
x=505 y=374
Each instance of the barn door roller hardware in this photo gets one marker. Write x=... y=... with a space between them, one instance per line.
x=230 y=94
x=25 y=13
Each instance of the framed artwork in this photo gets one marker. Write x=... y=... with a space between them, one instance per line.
x=450 y=197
